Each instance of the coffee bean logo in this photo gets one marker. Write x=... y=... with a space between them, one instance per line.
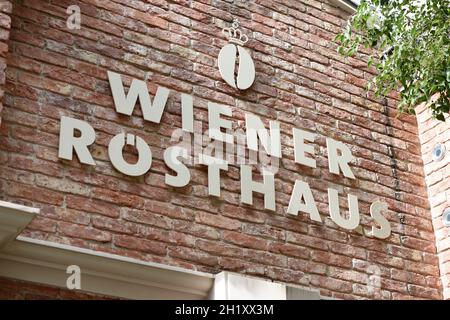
x=234 y=54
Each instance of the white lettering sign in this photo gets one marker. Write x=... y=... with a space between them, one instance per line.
x=77 y=135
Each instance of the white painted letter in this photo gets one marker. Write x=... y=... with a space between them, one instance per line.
x=138 y=90
x=353 y=211
x=74 y=280
x=115 y=152
x=336 y=161
x=187 y=113
x=248 y=186
x=171 y=158
x=68 y=142
x=385 y=227
x=301 y=148
x=255 y=128
x=214 y=167
x=302 y=191
x=74 y=20
x=216 y=123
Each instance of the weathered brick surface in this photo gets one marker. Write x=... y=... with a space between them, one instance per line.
x=11 y=289
x=301 y=82
x=437 y=177
x=5 y=26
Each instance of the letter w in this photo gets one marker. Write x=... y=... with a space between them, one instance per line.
x=138 y=89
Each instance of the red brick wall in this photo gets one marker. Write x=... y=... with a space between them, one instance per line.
x=11 y=289
x=5 y=26
x=301 y=82
x=438 y=181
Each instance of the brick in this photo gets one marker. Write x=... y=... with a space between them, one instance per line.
x=288 y=276
x=289 y=250
x=387 y=260
x=331 y=259
x=117 y=198
x=197 y=230
x=115 y=225
x=218 y=248
x=330 y=283
x=265 y=257
x=238 y=265
x=61 y=185
x=348 y=275
x=245 y=241
x=139 y=244
x=193 y=255
x=83 y=232
x=217 y=221
x=43 y=224
x=34 y=193
x=65 y=214
x=242 y=213
x=91 y=205
x=264 y=231
x=145 y=217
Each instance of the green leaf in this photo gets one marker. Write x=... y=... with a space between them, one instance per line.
x=440 y=117
x=412 y=49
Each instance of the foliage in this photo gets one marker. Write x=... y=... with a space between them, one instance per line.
x=411 y=39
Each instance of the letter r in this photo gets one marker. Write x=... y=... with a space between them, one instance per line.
x=68 y=142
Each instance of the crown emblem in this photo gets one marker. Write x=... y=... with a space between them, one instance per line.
x=235 y=63
x=234 y=34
